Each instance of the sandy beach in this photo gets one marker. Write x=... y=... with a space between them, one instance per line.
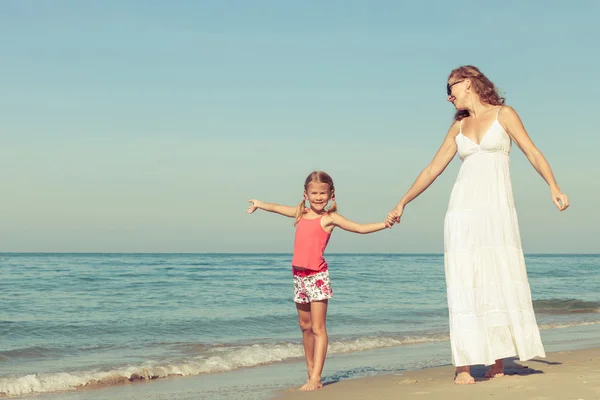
x=561 y=375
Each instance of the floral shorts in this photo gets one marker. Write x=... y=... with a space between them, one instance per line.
x=312 y=288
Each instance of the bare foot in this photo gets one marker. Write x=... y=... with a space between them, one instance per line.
x=496 y=370
x=493 y=374
x=309 y=386
x=463 y=376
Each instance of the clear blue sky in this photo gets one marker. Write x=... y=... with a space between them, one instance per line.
x=144 y=126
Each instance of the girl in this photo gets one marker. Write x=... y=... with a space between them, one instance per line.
x=312 y=287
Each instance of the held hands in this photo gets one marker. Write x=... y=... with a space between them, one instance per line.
x=254 y=204
x=394 y=216
x=388 y=225
x=560 y=200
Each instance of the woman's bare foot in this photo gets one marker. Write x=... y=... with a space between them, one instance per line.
x=463 y=376
x=311 y=385
x=496 y=370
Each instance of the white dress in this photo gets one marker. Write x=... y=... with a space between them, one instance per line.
x=489 y=299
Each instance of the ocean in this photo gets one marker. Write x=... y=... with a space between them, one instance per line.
x=228 y=321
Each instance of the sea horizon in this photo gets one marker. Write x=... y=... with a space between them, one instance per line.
x=274 y=253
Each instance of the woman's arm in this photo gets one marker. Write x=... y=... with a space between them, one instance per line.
x=440 y=161
x=287 y=211
x=511 y=122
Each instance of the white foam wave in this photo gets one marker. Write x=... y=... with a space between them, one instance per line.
x=371 y=343
x=216 y=359
x=560 y=325
x=220 y=359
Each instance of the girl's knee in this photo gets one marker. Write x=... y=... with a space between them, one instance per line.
x=319 y=330
x=305 y=326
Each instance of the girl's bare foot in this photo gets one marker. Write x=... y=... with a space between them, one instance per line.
x=463 y=376
x=311 y=385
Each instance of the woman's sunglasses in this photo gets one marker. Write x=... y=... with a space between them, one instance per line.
x=449 y=87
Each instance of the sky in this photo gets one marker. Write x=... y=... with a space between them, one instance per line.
x=145 y=126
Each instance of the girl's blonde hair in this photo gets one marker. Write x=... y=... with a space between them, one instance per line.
x=317 y=177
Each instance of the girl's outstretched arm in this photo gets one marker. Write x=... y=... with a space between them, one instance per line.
x=287 y=211
x=351 y=226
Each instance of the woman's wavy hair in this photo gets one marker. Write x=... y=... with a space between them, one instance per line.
x=317 y=177
x=488 y=93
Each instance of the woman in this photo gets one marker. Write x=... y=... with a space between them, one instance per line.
x=489 y=299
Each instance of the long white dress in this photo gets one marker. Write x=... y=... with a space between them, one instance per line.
x=489 y=299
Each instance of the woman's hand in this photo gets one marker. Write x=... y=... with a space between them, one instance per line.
x=560 y=200
x=394 y=216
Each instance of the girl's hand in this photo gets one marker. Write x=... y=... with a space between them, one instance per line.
x=254 y=204
x=390 y=220
x=394 y=216
x=560 y=200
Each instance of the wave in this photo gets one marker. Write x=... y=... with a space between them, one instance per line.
x=565 y=306
x=209 y=359
x=559 y=325
x=29 y=352
x=215 y=359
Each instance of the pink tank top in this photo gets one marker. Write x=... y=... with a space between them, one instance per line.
x=309 y=244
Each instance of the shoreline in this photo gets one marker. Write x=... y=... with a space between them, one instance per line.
x=573 y=356
x=562 y=375
x=378 y=369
